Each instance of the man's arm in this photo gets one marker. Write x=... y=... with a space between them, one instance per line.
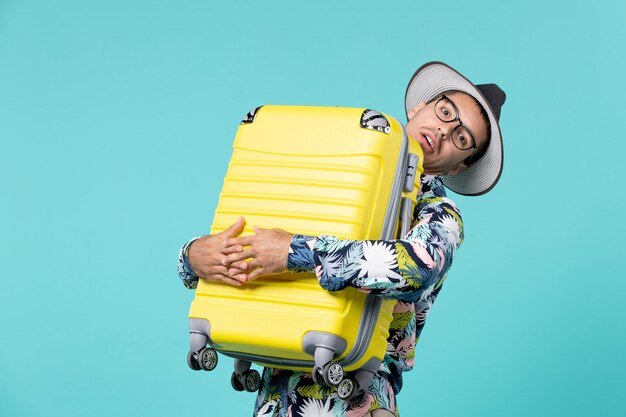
x=401 y=269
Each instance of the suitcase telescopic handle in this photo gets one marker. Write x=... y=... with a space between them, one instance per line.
x=411 y=171
x=406 y=207
x=406 y=213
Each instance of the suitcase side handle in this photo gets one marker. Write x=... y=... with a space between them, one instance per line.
x=374 y=120
x=249 y=118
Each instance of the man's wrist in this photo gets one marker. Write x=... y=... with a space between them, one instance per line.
x=185 y=271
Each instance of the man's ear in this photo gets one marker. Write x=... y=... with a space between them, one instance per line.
x=460 y=167
x=415 y=110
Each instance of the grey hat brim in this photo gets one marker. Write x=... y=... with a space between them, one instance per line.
x=434 y=78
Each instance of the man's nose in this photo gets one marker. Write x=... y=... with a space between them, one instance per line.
x=444 y=132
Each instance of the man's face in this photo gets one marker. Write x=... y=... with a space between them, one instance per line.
x=441 y=156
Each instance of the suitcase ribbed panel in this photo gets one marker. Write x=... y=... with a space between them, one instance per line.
x=267 y=328
x=327 y=201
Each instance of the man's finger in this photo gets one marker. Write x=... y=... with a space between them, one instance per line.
x=258 y=229
x=254 y=274
x=231 y=281
x=216 y=272
x=221 y=278
x=234 y=257
x=232 y=249
x=235 y=228
x=253 y=263
x=243 y=278
x=237 y=268
x=242 y=241
x=222 y=274
x=240 y=265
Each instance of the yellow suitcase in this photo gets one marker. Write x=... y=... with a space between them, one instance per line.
x=347 y=172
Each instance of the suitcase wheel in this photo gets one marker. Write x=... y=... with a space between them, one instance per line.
x=207 y=358
x=357 y=398
x=346 y=388
x=192 y=361
x=333 y=374
x=251 y=380
x=234 y=381
x=349 y=390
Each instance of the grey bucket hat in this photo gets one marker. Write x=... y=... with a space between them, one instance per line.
x=434 y=78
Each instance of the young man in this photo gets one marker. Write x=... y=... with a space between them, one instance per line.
x=456 y=123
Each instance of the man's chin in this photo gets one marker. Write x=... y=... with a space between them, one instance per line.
x=432 y=172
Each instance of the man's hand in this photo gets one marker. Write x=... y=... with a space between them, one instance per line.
x=267 y=253
x=207 y=253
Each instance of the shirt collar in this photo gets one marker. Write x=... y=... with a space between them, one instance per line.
x=432 y=186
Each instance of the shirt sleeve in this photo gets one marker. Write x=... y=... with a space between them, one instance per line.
x=185 y=272
x=300 y=258
x=403 y=269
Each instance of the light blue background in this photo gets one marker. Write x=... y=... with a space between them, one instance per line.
x=116 y=121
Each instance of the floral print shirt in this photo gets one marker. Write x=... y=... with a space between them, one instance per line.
x=410 y=270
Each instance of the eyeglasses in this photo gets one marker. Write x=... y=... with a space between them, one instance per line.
x=447 y=112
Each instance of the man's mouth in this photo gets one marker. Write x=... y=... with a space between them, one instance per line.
x=429 y=141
